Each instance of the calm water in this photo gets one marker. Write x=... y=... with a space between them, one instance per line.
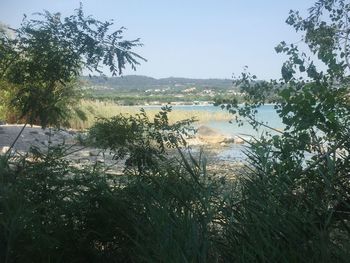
x=266 y=114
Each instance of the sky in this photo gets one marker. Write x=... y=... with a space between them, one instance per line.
x=188 y=38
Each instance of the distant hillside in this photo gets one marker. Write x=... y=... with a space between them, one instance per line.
x=134 y=82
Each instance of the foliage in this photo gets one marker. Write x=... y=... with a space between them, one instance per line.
x=139 y=138
x=51 y=211
x=47 y=55
x=296 y=193
x=285 y=214
x=290 y=204
x=6 y=111
x=175 y=212
x=142 y=83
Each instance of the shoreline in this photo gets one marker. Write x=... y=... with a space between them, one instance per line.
x=80 y=156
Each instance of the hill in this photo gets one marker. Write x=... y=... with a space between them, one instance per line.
x=141 y=83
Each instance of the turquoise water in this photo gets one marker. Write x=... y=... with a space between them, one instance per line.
x=266 y=114
x=235 y=152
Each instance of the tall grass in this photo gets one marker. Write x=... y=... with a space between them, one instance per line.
x=106 y=109
x=50 y=212
x=175 y=212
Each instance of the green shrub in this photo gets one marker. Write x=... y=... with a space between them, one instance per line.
x=285 y=214
x=50 y=211
x=142 y=140
x=295 y=203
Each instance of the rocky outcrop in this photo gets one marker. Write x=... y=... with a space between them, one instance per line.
x=239 y=140
x=78 y=155
x=209 y=135
x=32 y=136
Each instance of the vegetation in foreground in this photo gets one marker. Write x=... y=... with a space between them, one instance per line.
x=168 y=209
x=289 y=204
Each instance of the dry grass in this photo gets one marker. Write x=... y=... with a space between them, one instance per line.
x=106 y=109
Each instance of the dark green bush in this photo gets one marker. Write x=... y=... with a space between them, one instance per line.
x=287 y=214
x=50 y=211
x=295 y=203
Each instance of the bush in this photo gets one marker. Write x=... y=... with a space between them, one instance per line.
x=142 y=140
x=295 y=203
x=286 y=214
x=50 y=211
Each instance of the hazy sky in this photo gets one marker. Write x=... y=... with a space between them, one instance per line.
x=188 y=38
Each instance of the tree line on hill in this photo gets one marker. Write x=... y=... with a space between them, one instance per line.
x=136 y=82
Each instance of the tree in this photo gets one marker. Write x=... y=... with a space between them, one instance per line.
x=299 y=177
x=47 y=55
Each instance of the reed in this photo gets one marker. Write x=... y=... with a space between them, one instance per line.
x=106 y=109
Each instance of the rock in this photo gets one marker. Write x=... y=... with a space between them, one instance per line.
x=93 y=153
x=206 y=131
x=83 y=153
x=4 y=150
x=64 y=133
x=209 y=135
x=194 y=141
x=229 y=140
x=238 y=140
x=212 y=139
